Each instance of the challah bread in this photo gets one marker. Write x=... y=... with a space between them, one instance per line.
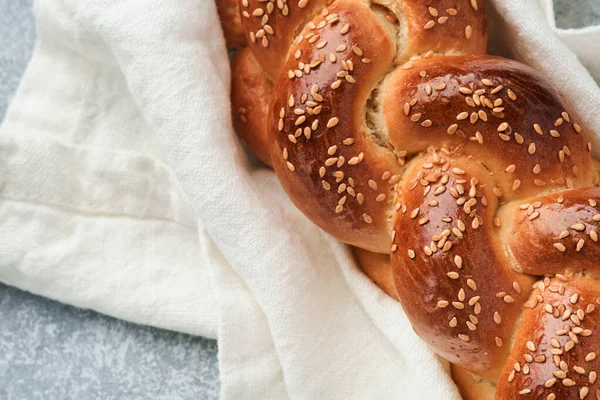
x=229 y=14
x=472 y=387
x=391 y=131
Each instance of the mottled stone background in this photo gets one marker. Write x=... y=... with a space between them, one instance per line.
x=52 y=351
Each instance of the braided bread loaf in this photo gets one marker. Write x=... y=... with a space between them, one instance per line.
x=389 y=129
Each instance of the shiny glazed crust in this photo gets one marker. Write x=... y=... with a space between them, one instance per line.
x=231 y=22
x=469 y=174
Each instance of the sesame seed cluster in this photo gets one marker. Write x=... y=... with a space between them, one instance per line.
x=391 y=131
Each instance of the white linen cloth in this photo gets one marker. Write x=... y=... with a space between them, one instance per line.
x=123 y=189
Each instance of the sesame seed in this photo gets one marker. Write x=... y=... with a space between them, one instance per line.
x=579 y=370
x=568 y=382
x=330 y=161
x=550 y=382
x=471 y=284
x=433 y=12
x=360 y=198
x=468 y=31
x=511 y=376
x=559 y=374
x=464 y=338
x=453 y=275
x=531 y=148
x=430 y=24
x=458 y=261
x=441 y=303
x=463 y=115
x=560 y=247
x=458 y=305
x=367 y=218
x=518 y=138
x=332 y=122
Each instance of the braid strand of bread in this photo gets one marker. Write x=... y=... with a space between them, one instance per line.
x=392 y=131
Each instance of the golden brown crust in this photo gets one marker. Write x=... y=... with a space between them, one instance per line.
x=555 y=234
x=472 y=387
x=378 y=268
x=554 y=355
x=229 y=14
x=327 y=162
x=456 y=286
x=441 y=27
x=271 y=26
x=486 y=107
x=250 y=98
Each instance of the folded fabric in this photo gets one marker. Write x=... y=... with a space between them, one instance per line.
x=123 y=189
